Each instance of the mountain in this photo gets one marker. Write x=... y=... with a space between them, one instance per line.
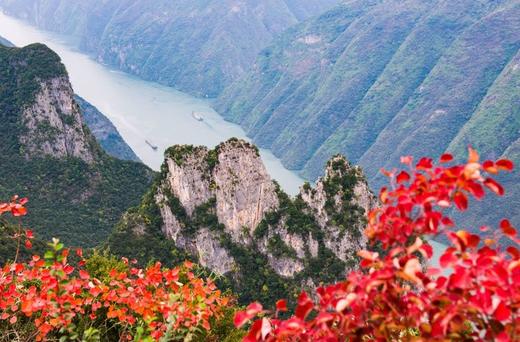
x=197 y=46
x=5 y=42
x=76 y=191
x=105 y=132
x=100 y=126
x=220 y=208
x=378 y=79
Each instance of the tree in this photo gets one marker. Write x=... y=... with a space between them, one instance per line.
x=394 y=296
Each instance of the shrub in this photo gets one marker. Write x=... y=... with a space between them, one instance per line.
x=475 y=295
x=49 y=298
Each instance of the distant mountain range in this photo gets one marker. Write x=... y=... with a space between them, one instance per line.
x=195 y=46
x=380 y=79
x=376 y=80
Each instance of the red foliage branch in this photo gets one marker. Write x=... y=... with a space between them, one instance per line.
x=394 y=296
x=53 y=295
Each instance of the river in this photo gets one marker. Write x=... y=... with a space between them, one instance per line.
x=142 y=110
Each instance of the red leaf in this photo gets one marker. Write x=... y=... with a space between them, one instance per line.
x=513 y=252
x=492 y=185
x=84 y=275
x=507 y=228
x=281 y=305
x=489 y=167
x=505 y=164
x=402 y=177
x=424 y=164
x=242 y=317
x=461 y=201
x=502 y=312
x=68 y=269
x=448 y=259
x=475 y=189
x=304 y=306
x=28 y=244
x=18 y=210
x=446 y=157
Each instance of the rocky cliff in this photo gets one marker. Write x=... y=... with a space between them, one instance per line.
x=52 y=124
x=77 y=192
x=221 y=208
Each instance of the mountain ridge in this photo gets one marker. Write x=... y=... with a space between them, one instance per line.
x=220 y=208
x=171 y=42
x=376 y=80
x=49 y=155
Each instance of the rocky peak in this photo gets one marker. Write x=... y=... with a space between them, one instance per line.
x=221 y=207
x=339 y=202
x=233 y=174
x=53 y=123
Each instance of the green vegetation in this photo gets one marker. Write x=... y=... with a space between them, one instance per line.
x=196 y=46
x=178 y=153
x=376 y=80
x=342 y=182
x=78 y=202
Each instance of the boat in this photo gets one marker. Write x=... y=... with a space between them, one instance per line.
x=151 y=145
x=197 y=116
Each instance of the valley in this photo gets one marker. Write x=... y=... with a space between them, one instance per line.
x=142 y=110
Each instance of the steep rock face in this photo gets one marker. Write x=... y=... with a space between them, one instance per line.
x=188 y=178
x=222 y=209
x=339 y=202
x=54 y=126
x=243 y=188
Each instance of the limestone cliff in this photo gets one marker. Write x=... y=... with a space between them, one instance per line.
x=221 y=208
x=77 y=192
x=339 y=202
x=53 y=123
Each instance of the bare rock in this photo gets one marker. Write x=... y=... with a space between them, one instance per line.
x=54 y=125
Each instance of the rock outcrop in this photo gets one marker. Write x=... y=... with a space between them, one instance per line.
x=78 y=193
x=221 y=207
x=53 y=123
x=339 y=202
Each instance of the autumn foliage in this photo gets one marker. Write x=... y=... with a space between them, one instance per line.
x=47 y=297
x=475 y=295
